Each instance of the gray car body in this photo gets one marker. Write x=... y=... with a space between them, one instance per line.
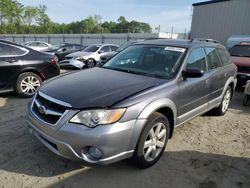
x=179 y=99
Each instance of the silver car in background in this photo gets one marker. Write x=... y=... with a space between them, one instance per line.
x=88 y=57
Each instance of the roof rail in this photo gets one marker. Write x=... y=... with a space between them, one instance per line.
x=204 y=40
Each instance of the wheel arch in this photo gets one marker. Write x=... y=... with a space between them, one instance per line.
x=164 y=106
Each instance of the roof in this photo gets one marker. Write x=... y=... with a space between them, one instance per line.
x=178 y=43
x=209 y=2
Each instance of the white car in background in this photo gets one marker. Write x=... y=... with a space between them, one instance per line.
x=88 y=57
x=38 y=45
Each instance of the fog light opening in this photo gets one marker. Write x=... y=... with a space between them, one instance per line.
x=95 y=152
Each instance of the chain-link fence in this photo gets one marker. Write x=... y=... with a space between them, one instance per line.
x=84 y=39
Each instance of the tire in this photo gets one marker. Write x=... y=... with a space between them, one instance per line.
x=27 y=84
x=90 y=63
x=222 y=109
x=150 y=147
x=245 y=100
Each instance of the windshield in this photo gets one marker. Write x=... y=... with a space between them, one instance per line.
x=124 y=46
x=57 y=46
x=155 y=61
x=92 y=48
x=240 y=51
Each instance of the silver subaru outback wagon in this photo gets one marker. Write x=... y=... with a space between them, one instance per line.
x=129 y=107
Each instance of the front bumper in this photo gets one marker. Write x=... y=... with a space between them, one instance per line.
x=116 y=141
x=71 y=63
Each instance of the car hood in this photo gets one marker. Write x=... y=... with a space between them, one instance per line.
x=241 y=61
x=97 y=87
x=79 y=54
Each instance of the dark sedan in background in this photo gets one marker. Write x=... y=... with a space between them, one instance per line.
x=23 y=69
x=61 y=50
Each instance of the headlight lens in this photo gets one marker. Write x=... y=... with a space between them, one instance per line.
x=92 y=118
x=80 y=59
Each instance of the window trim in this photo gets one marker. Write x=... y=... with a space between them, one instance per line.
x=26 y=51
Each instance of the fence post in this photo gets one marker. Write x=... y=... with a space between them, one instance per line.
x=81 y=39
x=13 y=38
x=102 y=39
x=63 y=39
x=49 y=39
x=23 y=38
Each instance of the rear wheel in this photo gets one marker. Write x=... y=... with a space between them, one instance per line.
x=152 y=141
x=221 y=110
x=27 y=84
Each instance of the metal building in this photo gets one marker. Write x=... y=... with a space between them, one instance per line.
x=220 y=19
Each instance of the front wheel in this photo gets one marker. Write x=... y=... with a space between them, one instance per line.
x=90 y=63
x=27 y=84
x=221 y=110
x=152 y=141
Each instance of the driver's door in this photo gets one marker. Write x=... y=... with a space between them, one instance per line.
x=194 y=92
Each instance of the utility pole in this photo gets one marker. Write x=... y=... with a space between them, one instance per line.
x=172 y=31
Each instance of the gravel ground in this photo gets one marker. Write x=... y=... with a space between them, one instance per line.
x=208 y=152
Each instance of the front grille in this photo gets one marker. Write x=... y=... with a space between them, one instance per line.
x=48 y=111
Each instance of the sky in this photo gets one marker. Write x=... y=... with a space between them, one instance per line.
x=166 y=13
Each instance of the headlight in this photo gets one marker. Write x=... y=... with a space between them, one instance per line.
x=92 y=118
x=80 y=59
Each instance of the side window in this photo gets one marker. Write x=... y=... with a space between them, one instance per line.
x=113 y=48
x=197 y=59
x=224 y=55
x=78 y=47
x=105 y=49
x=213 y=58
x=69 y=47
x=6 y=50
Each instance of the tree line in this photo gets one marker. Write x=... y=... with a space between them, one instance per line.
x=15 y=18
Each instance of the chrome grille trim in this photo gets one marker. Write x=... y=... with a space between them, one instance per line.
x=48 y=112
x=54 y=100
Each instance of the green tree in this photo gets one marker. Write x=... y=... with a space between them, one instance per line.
x=30 y=14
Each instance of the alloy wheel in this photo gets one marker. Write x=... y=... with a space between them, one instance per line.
x=30 y=84
x=226 y=100
x=154 y=142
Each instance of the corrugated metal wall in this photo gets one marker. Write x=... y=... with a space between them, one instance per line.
x=85 y=39
x=221 y=20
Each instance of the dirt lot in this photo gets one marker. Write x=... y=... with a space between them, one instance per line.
x=207 y=152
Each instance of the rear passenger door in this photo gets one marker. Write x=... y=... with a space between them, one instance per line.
x=219 y=74
x=10 y=64
x=194 y=92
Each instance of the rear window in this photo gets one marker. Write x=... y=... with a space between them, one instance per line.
x=224 y=55
x=240 y=51
x=212 y=58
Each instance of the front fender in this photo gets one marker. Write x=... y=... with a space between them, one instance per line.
x=155 y=105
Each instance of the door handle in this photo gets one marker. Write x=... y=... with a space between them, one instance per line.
x=226 y=75
x=207 y=81
x=11 y=60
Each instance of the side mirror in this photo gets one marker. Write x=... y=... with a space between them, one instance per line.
x=192 y=73
x=101 y=51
